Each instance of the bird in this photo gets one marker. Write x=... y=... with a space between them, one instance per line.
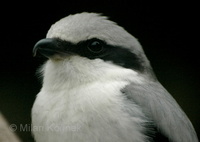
x=99 y=86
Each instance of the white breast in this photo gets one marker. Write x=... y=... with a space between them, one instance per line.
x=90 y=112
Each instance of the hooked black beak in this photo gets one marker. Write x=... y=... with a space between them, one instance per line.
x=48 y=47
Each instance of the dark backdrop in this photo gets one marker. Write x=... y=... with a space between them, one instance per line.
x=167 y=31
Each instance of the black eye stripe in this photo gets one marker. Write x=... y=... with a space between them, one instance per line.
x=119 y=55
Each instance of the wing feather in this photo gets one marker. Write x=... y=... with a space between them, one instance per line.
x=162 y=108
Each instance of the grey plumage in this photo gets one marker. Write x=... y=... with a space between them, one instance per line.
x=159 y=105
x=98 y=78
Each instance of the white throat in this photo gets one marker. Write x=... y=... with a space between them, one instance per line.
x=75 y=70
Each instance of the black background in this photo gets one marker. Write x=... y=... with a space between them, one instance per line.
x=167 y=31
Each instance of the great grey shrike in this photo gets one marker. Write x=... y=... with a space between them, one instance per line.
x=98 y=86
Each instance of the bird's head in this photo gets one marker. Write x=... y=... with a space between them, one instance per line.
x=90 y=36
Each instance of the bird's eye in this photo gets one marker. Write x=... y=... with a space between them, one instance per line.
x=95 y=46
